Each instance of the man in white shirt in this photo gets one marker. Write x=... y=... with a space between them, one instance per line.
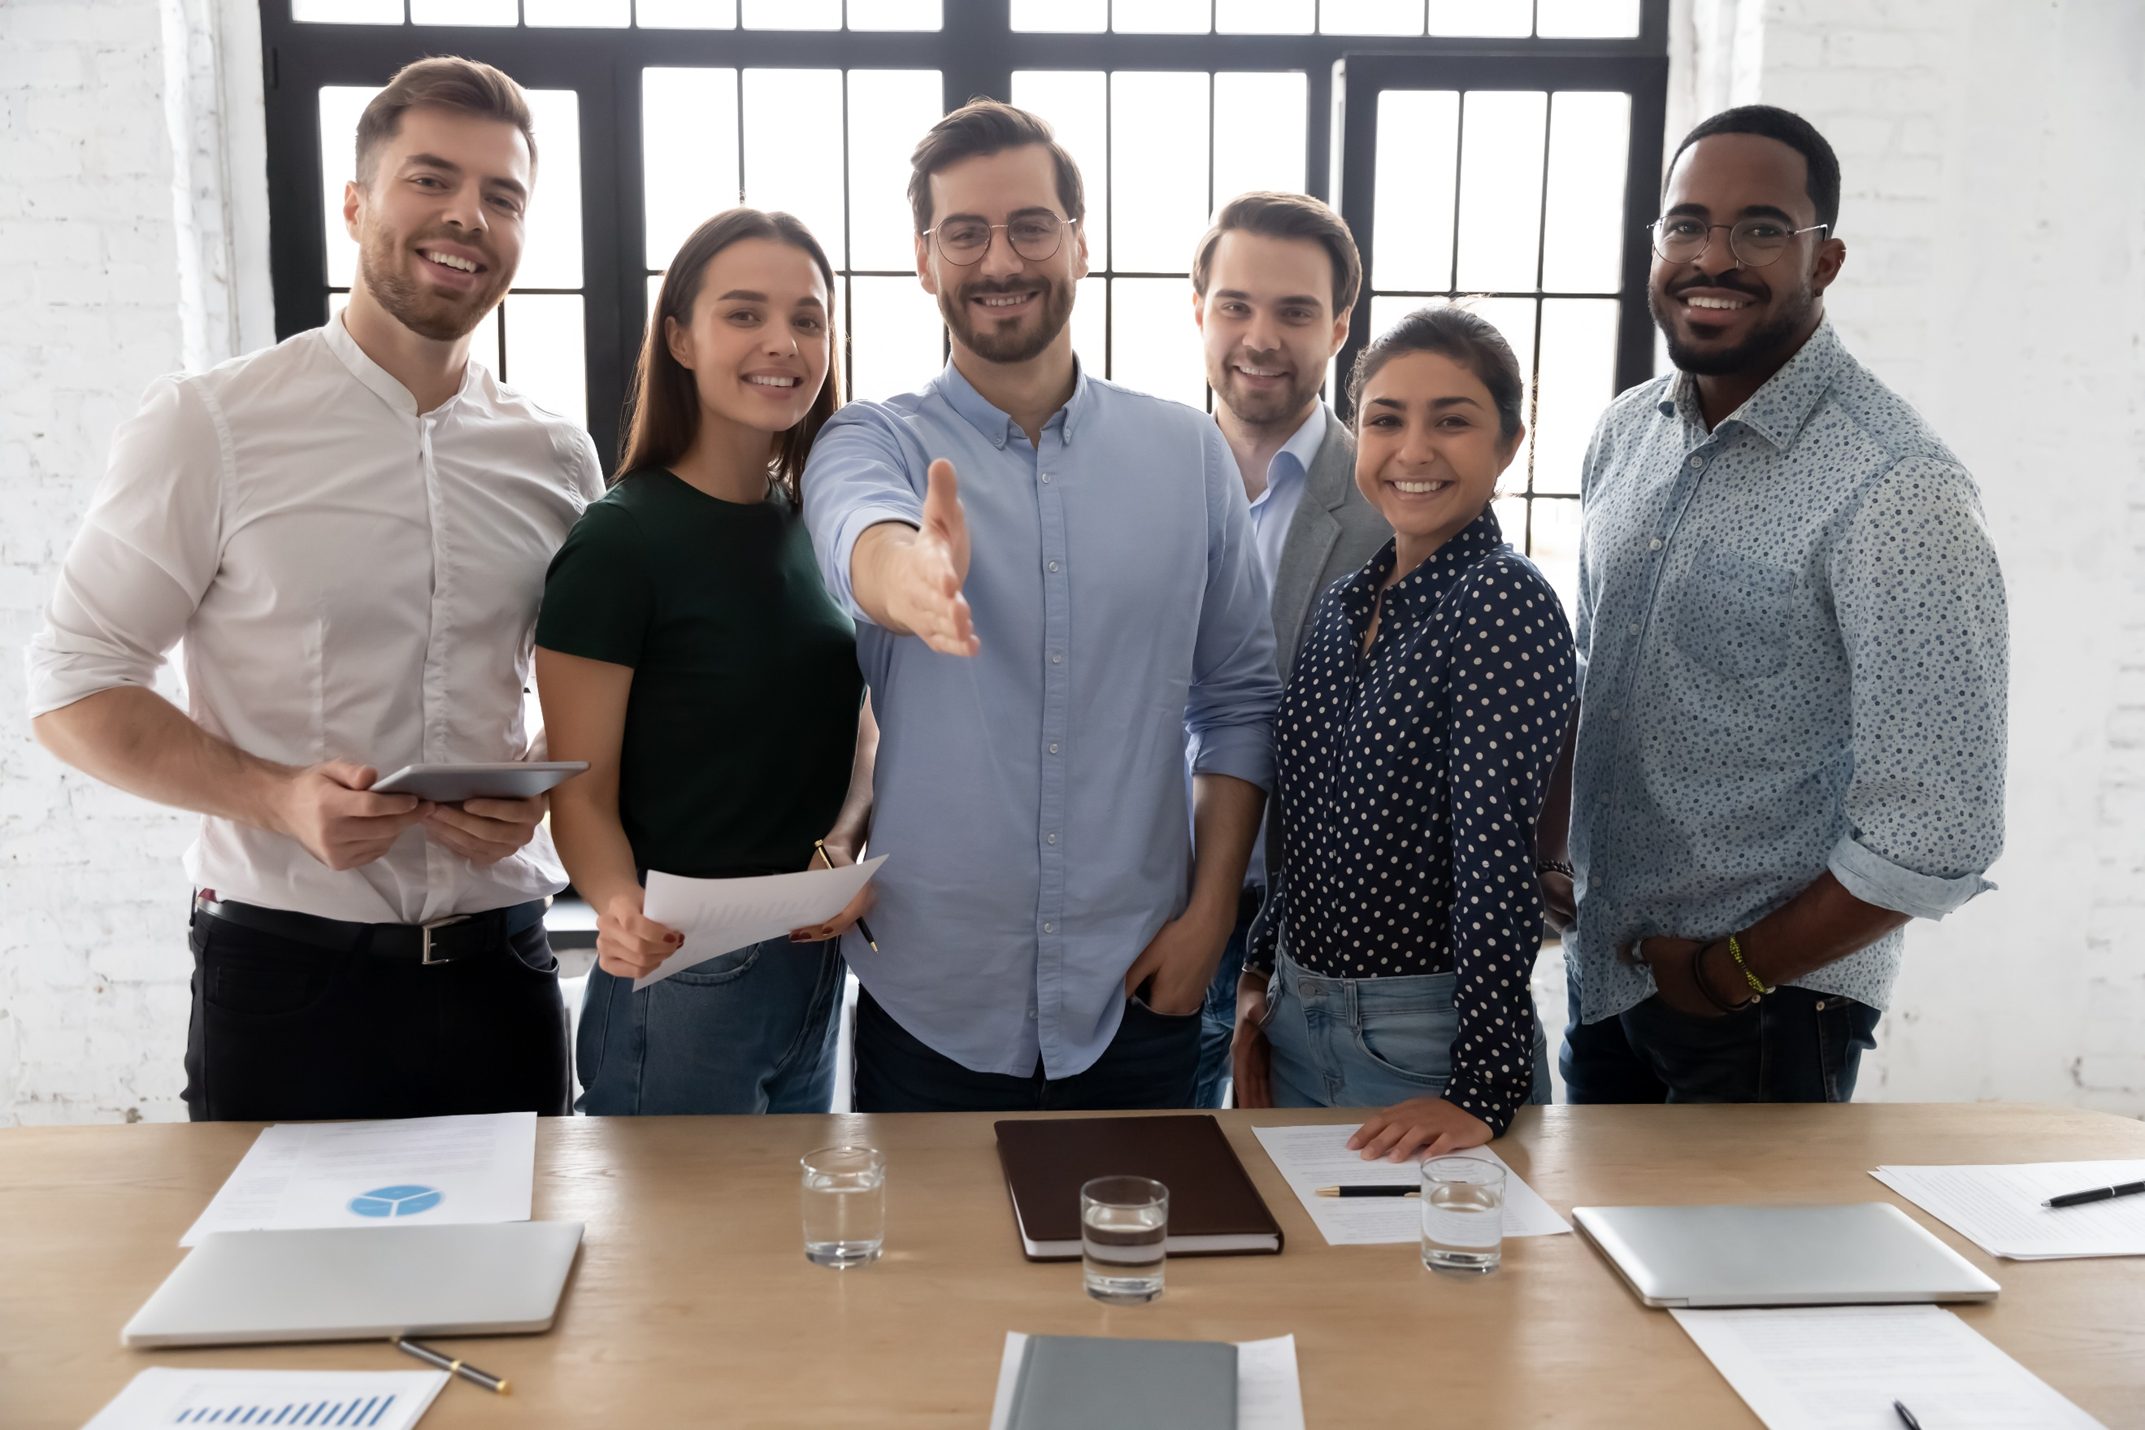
x=349 y=532
x=1274 y=283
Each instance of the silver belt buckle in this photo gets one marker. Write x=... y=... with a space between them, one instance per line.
x=440 y=924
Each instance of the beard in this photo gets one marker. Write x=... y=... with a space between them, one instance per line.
x=1765 y=345
x=1001 y=340
x=1258 y=409
x=387 y=262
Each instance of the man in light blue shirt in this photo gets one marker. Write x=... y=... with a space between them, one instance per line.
x=1795 y=656
x=1040 y=644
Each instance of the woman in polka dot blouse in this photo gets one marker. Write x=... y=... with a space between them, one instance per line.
x=1390 y=965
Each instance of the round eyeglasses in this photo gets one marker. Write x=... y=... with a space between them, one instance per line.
x=1034 y=236
x=1755 y=242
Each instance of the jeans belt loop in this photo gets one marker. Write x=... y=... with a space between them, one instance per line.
x=425 y=949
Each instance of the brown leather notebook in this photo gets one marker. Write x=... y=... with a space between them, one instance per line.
x=1214 y=1210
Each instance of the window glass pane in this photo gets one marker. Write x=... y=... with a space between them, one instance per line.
x=1586 y=19
x=1158 y=168
x=689 y=153
x=545 y=351
x=465 y=12
x=590 y=14
x=340 y=106
x=1371 y=17
x=551 y=254
x=793 y=149
x=484 y=342
x=1481 y=17
x=1090 y=322
x=1417 y=164
x=1554 y=539
x=1578 y=377
x=1162 y=17
x=896 y=15
x=889 y=110
x=895 y=337
x=655 y=290
x=791 y=14
x=1154 y=343
x=348 y=12
x=1265 y=17
x=1074 y=102
x=685 y=14
x=1501 y=188
x=1589 y=137
x=1063 y=17
x=1258 y=133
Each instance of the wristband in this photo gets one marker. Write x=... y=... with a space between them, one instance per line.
x=1757 y=984
x=1698 y=976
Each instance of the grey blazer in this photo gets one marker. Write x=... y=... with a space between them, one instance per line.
x=1334 y=533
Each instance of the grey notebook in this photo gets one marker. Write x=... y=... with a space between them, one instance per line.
x=1099 y=1383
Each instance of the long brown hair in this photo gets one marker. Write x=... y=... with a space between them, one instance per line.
x=663 y=408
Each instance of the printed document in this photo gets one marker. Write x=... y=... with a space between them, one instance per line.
x=1998 y=1208
x=1318 y=1156
x=719 y=916
x=1841 y=1367
x=475 y=1168
x=378 y=1399
x=1269 y=1394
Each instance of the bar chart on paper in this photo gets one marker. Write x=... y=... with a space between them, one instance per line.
x=376 y=1400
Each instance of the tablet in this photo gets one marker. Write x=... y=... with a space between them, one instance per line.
x=451 y=784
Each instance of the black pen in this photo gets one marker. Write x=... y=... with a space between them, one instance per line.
x=449 y=1364
x=1906 y=1417
x=820 y=846
x=1387 y=1190
x=2098 y=1194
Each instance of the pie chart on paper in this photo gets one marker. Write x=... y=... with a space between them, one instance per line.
x=395 y=1201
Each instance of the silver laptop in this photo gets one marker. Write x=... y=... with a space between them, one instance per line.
x=1779 y=1256
x=355 y=1283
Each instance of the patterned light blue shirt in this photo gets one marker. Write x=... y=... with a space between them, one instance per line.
x=1794 y=654
x=1031 y=799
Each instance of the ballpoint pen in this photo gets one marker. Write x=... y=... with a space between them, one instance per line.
x=449 y=1364
x=1906 y=1417
x=2096 y=1194
x=819 y=847
x=1385 y=1190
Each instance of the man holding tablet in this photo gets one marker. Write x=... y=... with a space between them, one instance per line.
x=349 y=532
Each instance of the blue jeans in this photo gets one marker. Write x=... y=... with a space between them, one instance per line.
x=1794 y=1046
x=750 y=1031
x=1217 y=1017
x=1367 y=1042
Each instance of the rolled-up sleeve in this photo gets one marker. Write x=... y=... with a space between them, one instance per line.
x=861 y=473
x=1921 y=608
x=1229 y=717
x=145 y=555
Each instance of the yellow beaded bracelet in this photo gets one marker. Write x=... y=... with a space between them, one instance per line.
x=1757 y=985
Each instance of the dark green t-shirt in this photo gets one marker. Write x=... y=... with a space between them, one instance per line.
x=742 y=724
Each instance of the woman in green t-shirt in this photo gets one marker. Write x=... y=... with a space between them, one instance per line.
x=688 y=651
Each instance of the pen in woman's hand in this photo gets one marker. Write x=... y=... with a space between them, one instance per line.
x=819 y=847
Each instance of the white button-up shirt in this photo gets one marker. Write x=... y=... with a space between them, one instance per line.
x=350 y=578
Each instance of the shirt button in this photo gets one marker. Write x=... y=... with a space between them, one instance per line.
x=1697 y=461
x=1050 y=928
x=1031 y=1015
x=1053 y=839
x=1046 y=476
x=1053 y=565
x=1056 y=659
x=1053 y=749
x=1634 y=628
x=1616 y=714
x=1654 y=545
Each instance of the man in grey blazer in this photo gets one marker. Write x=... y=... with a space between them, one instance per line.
x=1273 y=284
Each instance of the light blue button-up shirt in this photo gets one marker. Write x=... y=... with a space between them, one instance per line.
x=1795 y=652
x=1031 y=798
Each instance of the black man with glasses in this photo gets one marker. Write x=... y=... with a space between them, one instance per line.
x=1042 y=643
x=1794 y=652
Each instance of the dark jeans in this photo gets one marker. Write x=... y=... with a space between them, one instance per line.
x=1217 y=1018
x=1150 y=1063
x=284 y=1030
x=1794 y=1046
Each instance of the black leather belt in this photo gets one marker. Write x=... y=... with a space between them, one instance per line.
x=441 y=941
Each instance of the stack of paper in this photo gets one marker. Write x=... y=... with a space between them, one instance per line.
x=1318 y=1156
x=1998 y=1208
x=1842 y=1367
x=378 y=1399
x=1269 y=1396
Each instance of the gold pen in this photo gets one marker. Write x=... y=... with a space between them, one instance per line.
x=449 y=1364
x=819 y=847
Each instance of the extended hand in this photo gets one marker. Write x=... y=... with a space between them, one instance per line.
x=628 y=942
x=1250 y=1054
x=329 y=810
x=1669 y=960
x=1421 y=1126
x=925 y=574
x=484 y=831
x=1181 y=958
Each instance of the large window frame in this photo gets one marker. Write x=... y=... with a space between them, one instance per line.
x=976 y=53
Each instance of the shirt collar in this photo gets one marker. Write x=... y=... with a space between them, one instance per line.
x=1300 y=449
x=996 y=427
x=1417 y=593
x=1777 y=410
x=382 y=383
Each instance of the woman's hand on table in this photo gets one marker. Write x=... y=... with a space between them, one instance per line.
x=629 y=944
x=1419 y=1127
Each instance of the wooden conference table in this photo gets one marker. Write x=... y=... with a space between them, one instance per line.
x=692 y=1303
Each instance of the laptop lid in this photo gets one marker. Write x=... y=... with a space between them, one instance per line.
x=355 y=1283
x=1779 y=1256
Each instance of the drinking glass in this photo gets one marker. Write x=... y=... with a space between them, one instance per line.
x=1124 y=1225
x=1463 y=1214
x=844 y=1205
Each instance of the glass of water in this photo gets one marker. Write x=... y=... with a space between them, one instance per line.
x=1124 y=1224
x=1463 y=1214
x=844 y=1205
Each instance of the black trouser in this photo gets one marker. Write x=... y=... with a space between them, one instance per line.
x=284 y=1029
x=1793 y=1045
x=1151 y=1062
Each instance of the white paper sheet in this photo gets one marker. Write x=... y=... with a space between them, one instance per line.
x=376 y=1399
x=1998 y=1207
x=475 y=1168
x=1269 y=1394
x=1841 y=1367
x=719 y=916
x=1318 y=1156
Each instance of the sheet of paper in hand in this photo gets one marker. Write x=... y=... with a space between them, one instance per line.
x=719 y=916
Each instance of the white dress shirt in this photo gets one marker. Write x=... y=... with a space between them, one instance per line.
x=350 y=579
